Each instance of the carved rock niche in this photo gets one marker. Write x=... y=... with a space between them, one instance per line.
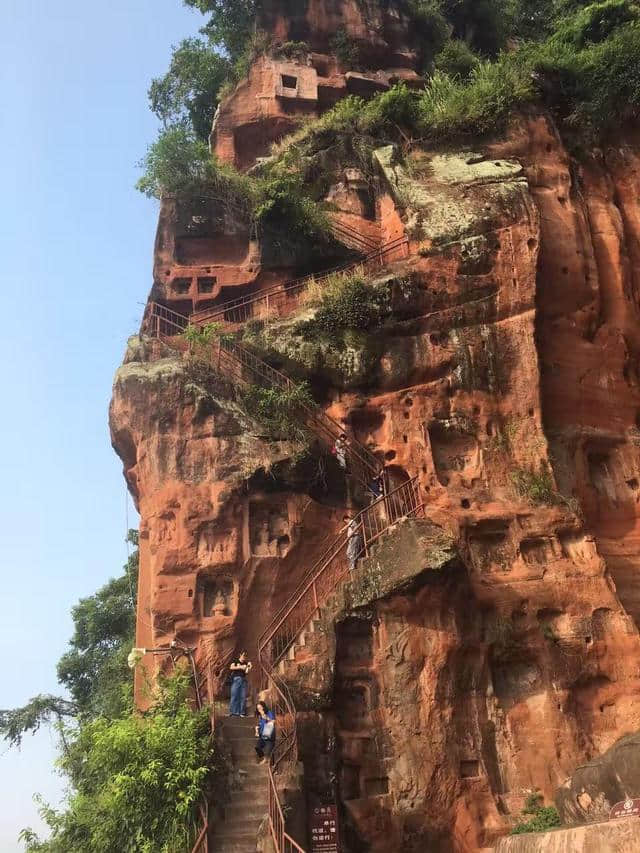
x=217 y=596
x=217 y=546
x=269 y=527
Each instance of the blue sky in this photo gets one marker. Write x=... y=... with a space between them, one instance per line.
x=76 y=242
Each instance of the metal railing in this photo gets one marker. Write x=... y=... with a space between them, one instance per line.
x=285 y=628
x=244 y=369
x=280 y=300
x=208 y=683
x=333 y=566
x=342 y=231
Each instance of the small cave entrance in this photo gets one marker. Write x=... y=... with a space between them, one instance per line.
x=180 y=286
x=490 y=545
x=365 y=423
x=469 y=768
x=454 y=452
x=354 y=642
x=603 y=465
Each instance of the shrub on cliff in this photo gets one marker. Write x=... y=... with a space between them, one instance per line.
x=346 y=301
x=177 y=162
x=536 y=817
x=595 y=88
x=450 y=106
x=457 y=60
x=137 y=779
x=278 y=410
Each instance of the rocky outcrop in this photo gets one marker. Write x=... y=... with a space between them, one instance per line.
x=596 y=787
x=619 y=836
x=505 y=377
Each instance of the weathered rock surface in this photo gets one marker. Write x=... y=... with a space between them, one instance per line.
x=618 y=836
x=509 y=383
x=593 y=789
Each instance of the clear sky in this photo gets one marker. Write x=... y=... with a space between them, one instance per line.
x=76 y=241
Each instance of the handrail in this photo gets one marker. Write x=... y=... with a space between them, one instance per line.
x=245 y=369
x=346 y=231
x=238 y=311
x=371 y=523
x=210 y=678
x=312 y=592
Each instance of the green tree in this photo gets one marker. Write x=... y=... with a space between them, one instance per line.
x=94 y=669
x=188 y=92
x=137 y=778
x=231 y=23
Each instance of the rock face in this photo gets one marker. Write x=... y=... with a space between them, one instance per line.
x=620 y=836
x=594 y=788
x=506 y=378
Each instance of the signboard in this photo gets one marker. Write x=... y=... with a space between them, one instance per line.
x=626 y=808
x=324 y=830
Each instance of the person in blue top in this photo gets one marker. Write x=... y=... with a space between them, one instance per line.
x=265 y=732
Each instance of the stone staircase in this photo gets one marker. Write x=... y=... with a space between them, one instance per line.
x=237 y=831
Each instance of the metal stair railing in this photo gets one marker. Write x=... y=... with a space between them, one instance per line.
x=333 y=566
x=244 y=369
x=208 y=683
x=343 y=231
x=276 y=300
x=303 y=605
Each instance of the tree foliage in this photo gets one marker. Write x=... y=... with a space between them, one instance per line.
x=94 y=669
x=230 y=24
x=188 y=92
x=536 y=817
x=137 y=781
x=177 y=162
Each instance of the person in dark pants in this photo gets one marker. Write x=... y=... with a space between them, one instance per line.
x=265 y=732
x=239 y=669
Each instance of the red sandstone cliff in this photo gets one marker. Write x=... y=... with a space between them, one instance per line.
x=453 y=693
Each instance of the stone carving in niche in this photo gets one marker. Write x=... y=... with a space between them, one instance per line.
x=269 y=529
x=215 y=545
x=217 y=596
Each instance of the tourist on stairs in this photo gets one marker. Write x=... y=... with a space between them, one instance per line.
x=354 y=540
x=340 y=450
x=239 y=669
x=265 y=732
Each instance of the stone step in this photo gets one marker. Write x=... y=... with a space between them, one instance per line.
x=257 y=807
x=235 y=843
x=238 y=845
x=238 y=722
x=239 y=825
x=251 y=784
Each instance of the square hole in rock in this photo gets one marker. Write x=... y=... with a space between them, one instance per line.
x=206 y=284
x=181 y=285
x=469 y=769
x=289 y=82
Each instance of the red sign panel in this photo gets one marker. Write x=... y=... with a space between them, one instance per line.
x=626 y=808
x=324 y=830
